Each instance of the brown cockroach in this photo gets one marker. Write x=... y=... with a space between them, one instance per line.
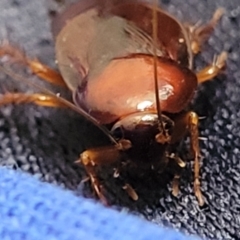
x=129 y=66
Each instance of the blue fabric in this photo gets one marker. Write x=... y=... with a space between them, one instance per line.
x=30 y=209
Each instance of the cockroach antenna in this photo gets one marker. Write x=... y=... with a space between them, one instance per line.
x=154 y=44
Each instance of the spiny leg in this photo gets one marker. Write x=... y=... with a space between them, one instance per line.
x=194 y=136
x=180 y=165
x=46 y=73
x=123 y=166
x=38 y=68
x=214 y=69
x=93 y=158
x=91 y=171
x=175 y=184
x=199 y=34
x=36 y=98
x=130 y=191
x=188 y=122
x=102 y=156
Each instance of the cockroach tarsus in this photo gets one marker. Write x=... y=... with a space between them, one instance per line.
x=104 y=50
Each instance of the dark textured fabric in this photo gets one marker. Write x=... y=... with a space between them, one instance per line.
x=46 y=142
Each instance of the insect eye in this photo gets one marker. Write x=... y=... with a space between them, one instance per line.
x=118 y=133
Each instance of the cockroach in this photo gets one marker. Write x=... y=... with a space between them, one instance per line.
x=129 y=65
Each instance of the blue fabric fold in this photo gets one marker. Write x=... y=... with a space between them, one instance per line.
x=32 y=210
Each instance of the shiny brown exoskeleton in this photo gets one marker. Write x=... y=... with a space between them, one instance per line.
x=129 y=65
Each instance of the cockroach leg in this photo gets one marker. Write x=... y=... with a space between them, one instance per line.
x=214 y=69
x=15 y=54
x=180 y=165
x=36 y=98
x=96 y=185
x=194 y=135
x=198 y=34
x=175 y=185
x=188 y=122
x=97 y=157
x=127 y=187
x=130 y=191
x=46 y=73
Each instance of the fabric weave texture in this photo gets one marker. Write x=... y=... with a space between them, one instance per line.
x=32 y=210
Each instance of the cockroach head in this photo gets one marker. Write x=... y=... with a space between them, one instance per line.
x=143 y=127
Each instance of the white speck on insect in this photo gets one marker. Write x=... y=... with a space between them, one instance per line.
x=165 y=92
x=148 y=117
x=143 y=105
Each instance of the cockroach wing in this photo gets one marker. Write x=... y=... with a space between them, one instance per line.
x=172 y=35
x=95 y=32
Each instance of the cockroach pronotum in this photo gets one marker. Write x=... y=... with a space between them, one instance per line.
x=129 y=65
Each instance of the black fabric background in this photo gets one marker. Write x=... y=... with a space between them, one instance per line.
x=45 y=142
